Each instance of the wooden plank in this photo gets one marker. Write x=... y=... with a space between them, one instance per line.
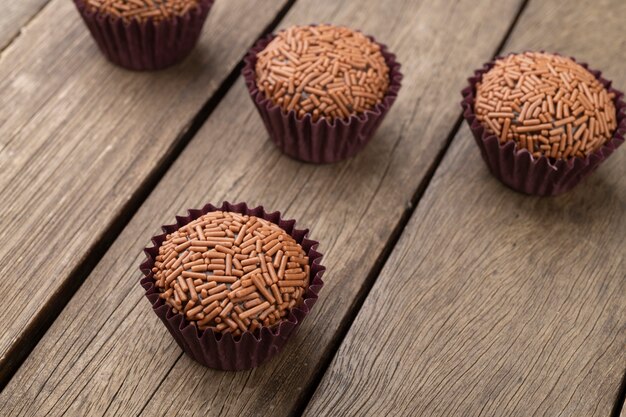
x=494 y=303
x=108 y=351
x=79 y=137
x=16 y=14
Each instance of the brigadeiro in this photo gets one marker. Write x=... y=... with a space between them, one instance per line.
x=321 y=90
x=231 y=284
x=145 y=34
x=542 y=121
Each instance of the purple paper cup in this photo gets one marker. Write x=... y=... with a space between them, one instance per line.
x=147 y=45
x=320 y=141
x=225 y=351
x=542 y=176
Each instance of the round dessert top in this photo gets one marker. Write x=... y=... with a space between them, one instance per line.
x=143 y=9
x=231 y=272
x=326 y=71
x=547 y=104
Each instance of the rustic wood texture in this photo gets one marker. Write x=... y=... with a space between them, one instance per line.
x=78 y=137
x=494 y=303
x=108 y=352
x=15 y=15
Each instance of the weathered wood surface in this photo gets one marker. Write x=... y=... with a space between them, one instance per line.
x=108 y=352
x=494 y=303
x=79 y=136
x=15 y=15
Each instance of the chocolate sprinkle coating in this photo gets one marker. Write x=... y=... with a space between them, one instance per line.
x=141 y=10
x=547 y=104
x=326 y=71
x=231 y=273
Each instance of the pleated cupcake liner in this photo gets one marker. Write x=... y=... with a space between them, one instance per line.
x=542 y=176
x=225 y=351
x=320 y=141
x=146 y=45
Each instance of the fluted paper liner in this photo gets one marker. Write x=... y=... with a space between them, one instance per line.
x=146 y=45
x=541 y=176
x=225 y=351
x=320 y=141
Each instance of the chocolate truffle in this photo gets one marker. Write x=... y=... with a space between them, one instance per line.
x=141 y=10
x=547 y=104
x=231 y=272
x=326 y=71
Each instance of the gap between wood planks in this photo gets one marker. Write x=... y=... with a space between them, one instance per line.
x=19 y=31
x=31 y=336
x=619 y=408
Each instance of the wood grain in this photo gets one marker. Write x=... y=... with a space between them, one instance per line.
x=15 y=15
x=108 y=352
x=79 y=137
x=494 y=303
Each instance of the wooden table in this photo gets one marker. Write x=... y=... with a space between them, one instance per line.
x=446 y=293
